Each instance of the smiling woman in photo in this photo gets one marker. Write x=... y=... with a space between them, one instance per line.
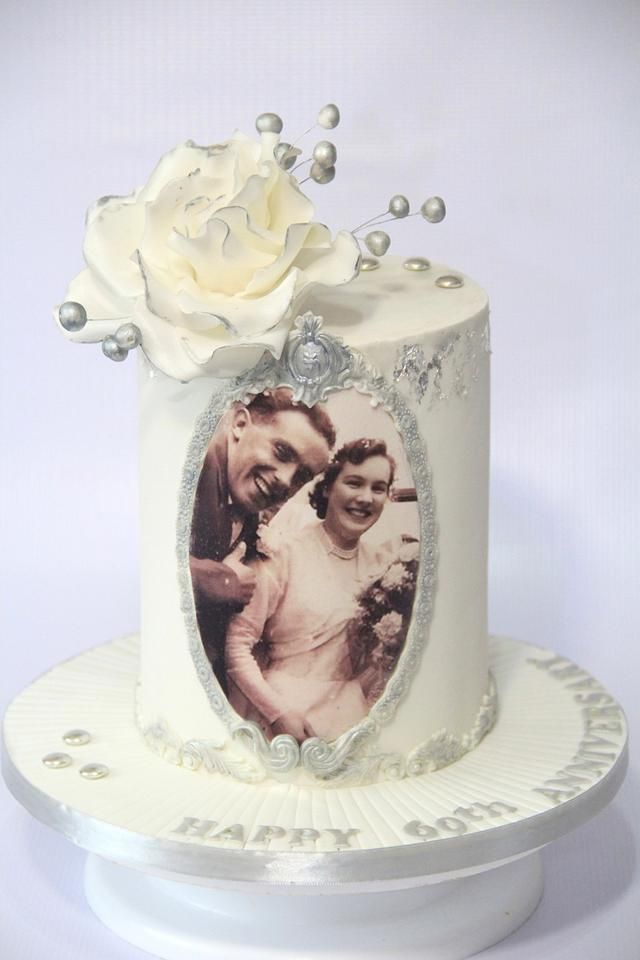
x=289 y=662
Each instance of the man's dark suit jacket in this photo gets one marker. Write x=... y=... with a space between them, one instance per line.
x=211 y=539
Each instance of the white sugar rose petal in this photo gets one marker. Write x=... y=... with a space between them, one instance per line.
x=175 y=350
x=247 y=160
x=248 y=232
x=185 y=355
x=333 y=264
x=183 y=160
x=246 y=317
x=273 y=200
x=296 y=237
x=184 y=204
x=162 y=345
x=226 y=361
x=254 y=198
x=170 y=211
x=111 y=200
x=114 y=228
x=287 y=205
x=160 y=290
x=222 y=259
x=231 y=361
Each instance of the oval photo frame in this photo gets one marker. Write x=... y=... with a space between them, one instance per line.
x=346 y=757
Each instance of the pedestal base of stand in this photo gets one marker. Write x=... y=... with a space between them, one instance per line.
x=447 y=920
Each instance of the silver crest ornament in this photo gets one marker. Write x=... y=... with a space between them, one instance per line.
x=318 y=362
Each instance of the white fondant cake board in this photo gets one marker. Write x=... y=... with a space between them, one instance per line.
x=556 y=756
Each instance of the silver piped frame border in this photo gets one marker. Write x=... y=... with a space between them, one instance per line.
x=334 y=367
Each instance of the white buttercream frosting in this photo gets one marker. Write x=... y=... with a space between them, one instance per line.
x=207 y=259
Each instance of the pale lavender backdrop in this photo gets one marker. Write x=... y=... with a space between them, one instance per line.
x=524 y=116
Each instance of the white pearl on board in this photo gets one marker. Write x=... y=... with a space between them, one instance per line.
x=94 y=771
x=76 y=738
x=416 y=263
x=57 y=761
x=449 y=282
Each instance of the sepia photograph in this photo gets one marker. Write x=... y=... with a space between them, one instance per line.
x=304 y=559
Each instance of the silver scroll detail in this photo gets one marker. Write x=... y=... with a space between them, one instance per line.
x=207 y=755
x=279 y=755
x=346 y=765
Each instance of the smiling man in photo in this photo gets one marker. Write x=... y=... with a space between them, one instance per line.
x=260 y=455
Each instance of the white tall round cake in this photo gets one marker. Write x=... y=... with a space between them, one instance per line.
x=314 y=437
x=429 y=345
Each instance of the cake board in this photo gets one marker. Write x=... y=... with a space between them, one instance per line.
x=193 y=865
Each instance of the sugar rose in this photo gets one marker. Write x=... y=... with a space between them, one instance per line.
x=207 y=259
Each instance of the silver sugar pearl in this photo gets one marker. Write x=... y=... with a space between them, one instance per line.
x=286 y=155
x=128 y=336
x=399 y=206
x=94 y=771
x=56 y=761
x=269 y=123
x=449 y=282
x=325 y=153
x=377 y=242
x=329 y=116
x=417 y=263
x=76 y=738
x=433 y=209
x=322 y=174
x=368 y=264
x=72 y=316
x=112 y=349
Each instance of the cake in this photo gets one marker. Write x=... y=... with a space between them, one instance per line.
x=314 y=441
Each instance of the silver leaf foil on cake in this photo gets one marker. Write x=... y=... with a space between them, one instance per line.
x=450 y=371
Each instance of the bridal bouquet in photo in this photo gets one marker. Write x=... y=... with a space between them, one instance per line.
x=378 y=630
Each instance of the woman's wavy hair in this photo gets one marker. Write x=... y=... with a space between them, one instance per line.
x=356 y=452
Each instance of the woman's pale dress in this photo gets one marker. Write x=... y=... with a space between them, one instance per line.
x=297 y=619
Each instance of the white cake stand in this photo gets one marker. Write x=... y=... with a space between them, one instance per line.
x=194 y=866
